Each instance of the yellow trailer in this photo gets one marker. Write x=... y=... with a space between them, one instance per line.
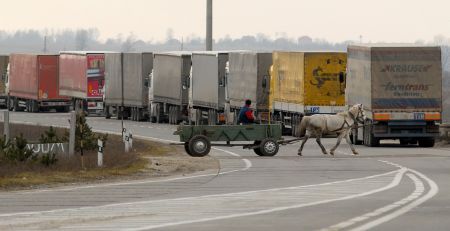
x=305 y=83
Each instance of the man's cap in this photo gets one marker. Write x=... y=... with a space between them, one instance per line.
x=248 y=102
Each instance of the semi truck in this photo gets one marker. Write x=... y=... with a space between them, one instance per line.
x=4 y=63
x=33 y=83
x=82 y=76
x=207 y=88
x=400 y=86
x=248 y=77
x=306 y=83
x=169 y=84
x=137 y=68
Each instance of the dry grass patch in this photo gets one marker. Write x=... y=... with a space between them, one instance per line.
x=146 y=159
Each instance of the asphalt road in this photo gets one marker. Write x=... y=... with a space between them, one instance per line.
x=384 y=188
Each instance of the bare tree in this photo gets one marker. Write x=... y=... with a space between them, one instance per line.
x=128 y=44
x=81 y=40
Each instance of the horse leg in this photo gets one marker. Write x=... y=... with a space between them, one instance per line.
x=338 y=142
x=306 y=137
x=349 y=142
x=319 y=135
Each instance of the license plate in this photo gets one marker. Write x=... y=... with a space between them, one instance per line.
x=315 y=109
x=419 y=116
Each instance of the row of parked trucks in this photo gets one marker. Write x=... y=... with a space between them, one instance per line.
x=399 y=85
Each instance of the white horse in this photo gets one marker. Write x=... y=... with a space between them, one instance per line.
x=341 y=123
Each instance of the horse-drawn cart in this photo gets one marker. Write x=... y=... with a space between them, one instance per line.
x=264 y=139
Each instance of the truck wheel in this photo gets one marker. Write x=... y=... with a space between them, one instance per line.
x=138 y=114
x=170 y=115
x=426 y=143
x=35 y=106
x=118 y=113
x=257 y=150
x=107 y=114
x=16 y=105
x=368 y=138
x=199 y=146
x=404 y=142
x=269 y=147
x=10 y=103
x=28 y=106
x=198 y=115
x=158 y=113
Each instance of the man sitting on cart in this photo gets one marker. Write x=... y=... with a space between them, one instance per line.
x=246 y=114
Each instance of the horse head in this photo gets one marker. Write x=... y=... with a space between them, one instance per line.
x=357 y=112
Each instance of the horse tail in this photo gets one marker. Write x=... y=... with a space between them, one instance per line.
x=301 y=128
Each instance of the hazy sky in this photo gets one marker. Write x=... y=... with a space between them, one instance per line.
x=334 y=20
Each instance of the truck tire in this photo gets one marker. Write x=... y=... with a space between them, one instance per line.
x=211 y=117
x=404 y=142
x=199 y=146
x=158 y=113
x=35 y=106
x=426 y=143
x=170 y=115
x=198 y=117
x=107 y=114
x=369 y=139
x=269 y=147
x=10 y=103
x=138 y=114
x=16 y=105
x=133 y=114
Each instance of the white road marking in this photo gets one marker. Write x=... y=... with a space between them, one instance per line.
x=434 y=189
x=169 y=212
x=419 y=189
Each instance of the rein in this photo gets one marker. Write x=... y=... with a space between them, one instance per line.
x=345 y=122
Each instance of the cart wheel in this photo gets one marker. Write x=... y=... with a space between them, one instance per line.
x=199 y=146
x=269 y=147
x=257 y=150
x=186 y=148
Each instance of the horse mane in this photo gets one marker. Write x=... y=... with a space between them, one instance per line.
x=344 y=113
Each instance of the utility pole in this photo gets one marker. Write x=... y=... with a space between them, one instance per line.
x=121 y=76
x=209 y=25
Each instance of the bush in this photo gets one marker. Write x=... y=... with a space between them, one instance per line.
x=17 y=150
x=50 y=136
x=84 y=137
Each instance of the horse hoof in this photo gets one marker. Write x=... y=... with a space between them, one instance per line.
x=355 y=153
x=332 y=153
x=300 y=154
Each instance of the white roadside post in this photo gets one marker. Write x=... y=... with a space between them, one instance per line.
x=130 y=139
x=100 y=153
x=6 y=125
x=126 y=140
x=73 y=122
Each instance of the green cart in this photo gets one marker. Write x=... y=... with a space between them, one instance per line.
x=264 y=139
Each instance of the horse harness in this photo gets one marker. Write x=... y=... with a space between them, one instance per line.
x=345 y=122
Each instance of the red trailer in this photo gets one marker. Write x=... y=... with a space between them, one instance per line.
x=33 y=83
x=82 y=76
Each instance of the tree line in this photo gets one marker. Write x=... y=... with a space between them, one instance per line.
x=54 y=41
